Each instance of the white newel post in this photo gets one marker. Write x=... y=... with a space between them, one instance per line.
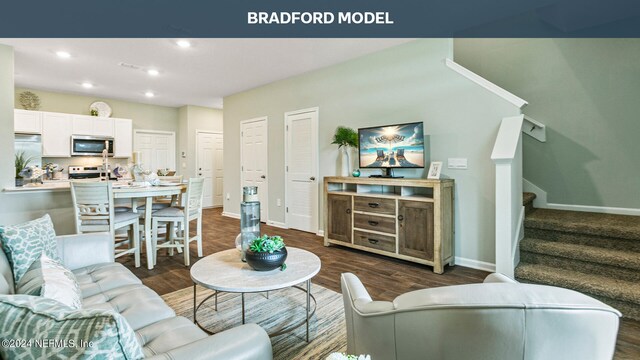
x=507 y=155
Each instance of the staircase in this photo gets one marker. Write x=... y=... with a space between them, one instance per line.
x=596 y=254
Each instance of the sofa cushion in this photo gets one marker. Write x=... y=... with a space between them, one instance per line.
x=139 y=305
x=97 y=278
x=86 y=334
x=168 y=334
x=24 y=243
x=50 y=279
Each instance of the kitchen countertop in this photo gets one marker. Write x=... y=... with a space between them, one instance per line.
x=48 y=186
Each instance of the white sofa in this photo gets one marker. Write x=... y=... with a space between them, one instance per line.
x=499 y=319
x=106 y=284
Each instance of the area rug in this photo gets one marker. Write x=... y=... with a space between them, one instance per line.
x=327 y=332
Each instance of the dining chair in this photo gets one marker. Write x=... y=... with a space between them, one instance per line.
x=181 y=215
x=94 y=211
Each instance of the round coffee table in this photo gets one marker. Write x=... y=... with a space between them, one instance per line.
x=225 y=272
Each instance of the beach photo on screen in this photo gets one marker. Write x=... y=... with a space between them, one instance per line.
x=400 y=146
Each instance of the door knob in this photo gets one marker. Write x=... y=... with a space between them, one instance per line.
x=312 y=178
x=263 y=177
x=200 y=174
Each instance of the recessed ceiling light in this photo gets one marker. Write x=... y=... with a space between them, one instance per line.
x=183 y=43
x=153 y=72
x=87 y=85
x=63 y=54
x=149 y=94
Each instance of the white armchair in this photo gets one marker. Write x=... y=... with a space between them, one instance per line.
x=499 y=319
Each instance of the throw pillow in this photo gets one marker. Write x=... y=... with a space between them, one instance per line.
x=49 y=278
x=23 y=244
x=38 y=328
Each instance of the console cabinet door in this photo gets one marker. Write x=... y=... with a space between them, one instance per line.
x=340 y=215
x=415 y=229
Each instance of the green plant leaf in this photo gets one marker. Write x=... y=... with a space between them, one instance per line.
x=345 y=136
x=283 y=267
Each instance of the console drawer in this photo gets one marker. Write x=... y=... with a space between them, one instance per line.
x=375 y=241
x=375 y=223
x=375 y=205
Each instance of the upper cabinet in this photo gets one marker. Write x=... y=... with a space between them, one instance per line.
x=123 y=134
x=57 y=129
x=56 y=134
x=27 y=122
x=93 y=126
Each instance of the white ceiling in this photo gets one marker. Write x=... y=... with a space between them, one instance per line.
x=200 y=75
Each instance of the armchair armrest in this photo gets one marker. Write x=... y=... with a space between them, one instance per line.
x=360 y=298
x=499 y=278
x=248 y=341
x=78 y=251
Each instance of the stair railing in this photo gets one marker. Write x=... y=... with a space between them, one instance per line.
x=507 y=155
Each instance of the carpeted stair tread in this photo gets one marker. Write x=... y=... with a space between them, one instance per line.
x=597 y=224
x=527 y=198
x=596 y=285
x=593 y=254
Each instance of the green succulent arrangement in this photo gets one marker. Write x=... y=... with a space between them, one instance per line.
x=21 y=162
x=267 y=243
x=345 y=136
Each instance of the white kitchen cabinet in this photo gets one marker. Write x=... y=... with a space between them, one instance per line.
x=27 y=121
x=56 y=134
x=92 y=126
x=123 y=134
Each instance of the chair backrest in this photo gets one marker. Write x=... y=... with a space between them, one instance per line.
x=93 y=206
x=380 y=153
x=400 y=152
x=195 y=193
x=174 y=178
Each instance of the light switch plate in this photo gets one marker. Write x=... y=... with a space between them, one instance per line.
x=457 y=163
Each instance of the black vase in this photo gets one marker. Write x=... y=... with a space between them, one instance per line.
x=265 y=261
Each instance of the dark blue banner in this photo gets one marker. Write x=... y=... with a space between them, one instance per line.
x=320 y=18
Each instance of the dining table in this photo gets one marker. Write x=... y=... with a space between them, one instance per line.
x=148 y=193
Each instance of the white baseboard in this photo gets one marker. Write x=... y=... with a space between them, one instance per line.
x=320 y=233
x=231 y=215
x=277 y=224
x=596 y=209
x=475 y=264
x=541 y=202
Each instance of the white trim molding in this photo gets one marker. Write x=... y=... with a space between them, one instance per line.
x=277 y=224
x=513 y=99
x=320 y=233
x=231 y=215
x=475 y=264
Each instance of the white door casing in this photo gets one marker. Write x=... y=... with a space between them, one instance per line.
x=253 y=160
x=209 y=166
x=157 y=149
x=301 y=166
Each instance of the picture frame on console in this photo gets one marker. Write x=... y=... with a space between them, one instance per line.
x=434 y=170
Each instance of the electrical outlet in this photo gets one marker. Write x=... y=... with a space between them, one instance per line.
x=228 y=196
x=279 y=202
x=457 y=163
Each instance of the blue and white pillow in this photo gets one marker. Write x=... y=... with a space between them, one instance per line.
x=25 y=243
x=79 y=334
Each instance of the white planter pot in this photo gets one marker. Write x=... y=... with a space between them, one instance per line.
x=345 y=162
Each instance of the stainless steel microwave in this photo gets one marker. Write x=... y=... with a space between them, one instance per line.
x=91 y=145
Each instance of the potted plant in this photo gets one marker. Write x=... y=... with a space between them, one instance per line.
x=345 y=138
x=267 y=253
x=21 y=162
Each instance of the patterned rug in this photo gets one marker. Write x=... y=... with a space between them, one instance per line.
x=327 y=331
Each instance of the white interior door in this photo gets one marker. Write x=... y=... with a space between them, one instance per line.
x=253 y=160
x=157 y=149
x=301 y=153
x=209 y=163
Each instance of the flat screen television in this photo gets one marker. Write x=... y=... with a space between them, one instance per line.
x=391 y=147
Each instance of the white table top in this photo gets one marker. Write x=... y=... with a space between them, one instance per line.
x=224 y=271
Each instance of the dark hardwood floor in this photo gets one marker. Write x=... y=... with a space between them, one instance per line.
x=384 y=278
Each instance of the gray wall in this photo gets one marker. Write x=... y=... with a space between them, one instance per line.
x=192 y=119
x=586 y=91
x=406 y=83
x=15 y=208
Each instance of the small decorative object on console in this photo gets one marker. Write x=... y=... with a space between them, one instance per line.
x=356 y=173
x=434 y=170
x=267 y=253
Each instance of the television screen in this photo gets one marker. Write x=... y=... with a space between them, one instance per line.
x=392 y=146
